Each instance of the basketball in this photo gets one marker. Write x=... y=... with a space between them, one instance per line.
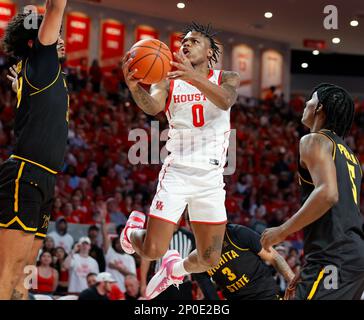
x=151 y=58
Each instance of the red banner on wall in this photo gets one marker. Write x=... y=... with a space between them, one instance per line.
x=112 y=43
x=77 y=39
x=175 y=41
x=314 y=44
x=272 y=71
x=146 y=32
x=7 y=11
x=243 y=63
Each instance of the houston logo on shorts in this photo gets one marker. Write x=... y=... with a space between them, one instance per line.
x=159 y=205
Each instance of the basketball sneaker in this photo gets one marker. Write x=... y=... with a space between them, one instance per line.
x=136 y=220
x=164 y=278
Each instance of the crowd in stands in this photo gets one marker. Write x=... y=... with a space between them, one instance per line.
x=99 y=187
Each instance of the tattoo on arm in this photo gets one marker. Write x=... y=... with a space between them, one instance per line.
x=17 y=295
x=230 y=81
x=153 y=102
x=214 y=248
x=309 y=141
x=143 y=99
x=283 y=268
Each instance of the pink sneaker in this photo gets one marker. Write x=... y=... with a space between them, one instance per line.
x=136 y=220
x=164 y=278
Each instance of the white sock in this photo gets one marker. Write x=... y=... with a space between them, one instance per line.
x=128 y=233
x=178 y=269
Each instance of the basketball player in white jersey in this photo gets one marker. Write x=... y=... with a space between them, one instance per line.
x=197 y=102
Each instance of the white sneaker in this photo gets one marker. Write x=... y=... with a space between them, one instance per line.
x=136 y=220
x=164 y=278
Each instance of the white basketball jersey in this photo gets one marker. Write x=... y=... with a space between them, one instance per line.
x=199 y=130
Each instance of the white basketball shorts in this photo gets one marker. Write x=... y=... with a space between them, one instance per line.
x=202 y=191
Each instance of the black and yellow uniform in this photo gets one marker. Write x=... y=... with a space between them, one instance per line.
x=241 y=273
x=27 y=178
x=334 y=244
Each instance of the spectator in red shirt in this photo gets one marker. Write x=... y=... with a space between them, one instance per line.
x=68 y=213
x=56 y=210
x=59 y=259
x=110 y=182
x=115 y=293
x=47 y=276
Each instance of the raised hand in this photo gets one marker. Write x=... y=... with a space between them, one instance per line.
x=185 y=70
x=13 y=77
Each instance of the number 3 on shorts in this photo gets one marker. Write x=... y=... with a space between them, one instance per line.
x=197 y=115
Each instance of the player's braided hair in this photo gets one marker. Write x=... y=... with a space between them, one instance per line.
x=210 y=34
x=338 y=107
x=15 y=42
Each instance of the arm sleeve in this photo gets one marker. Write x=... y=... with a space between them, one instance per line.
x=246 y=238
x=43 y=64
x=206 y=286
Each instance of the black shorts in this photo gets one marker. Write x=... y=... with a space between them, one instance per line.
x=316 y=283
x=26 y=197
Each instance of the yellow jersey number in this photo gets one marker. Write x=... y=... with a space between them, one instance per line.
x=230 y=275
x=351 y=170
